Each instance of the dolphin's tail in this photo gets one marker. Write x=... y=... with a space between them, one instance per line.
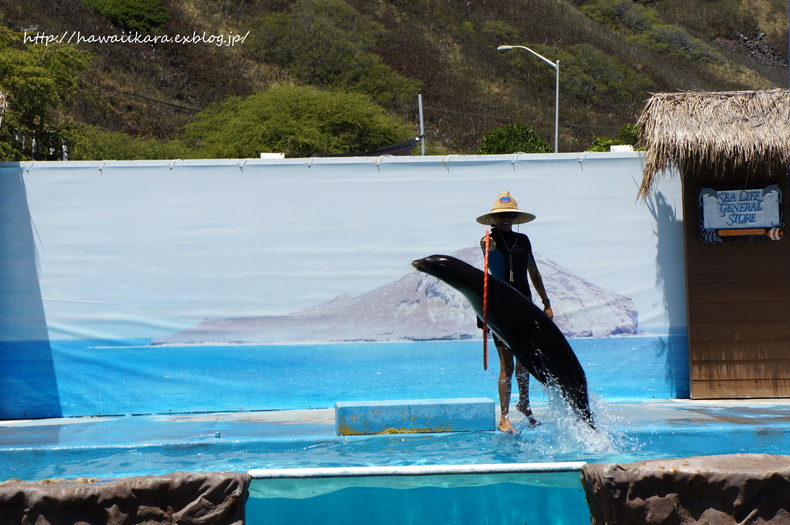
x=586 y=416
x=577 y=399
x=582 y=403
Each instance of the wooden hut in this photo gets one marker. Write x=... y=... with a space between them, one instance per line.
x=732 y=151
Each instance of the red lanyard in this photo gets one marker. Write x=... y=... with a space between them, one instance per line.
x=485 y=302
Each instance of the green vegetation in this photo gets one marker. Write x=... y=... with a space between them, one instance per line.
x=91 y=143
x=513 y=138
x=622 y=15
x=327 y=43
x=303 y=57
x=596 y=78
x=39 y=81
x=629 y=134
x=143 y=16
x=296 y=120
x=726 y=18
x=666 y=38
x=645 y=28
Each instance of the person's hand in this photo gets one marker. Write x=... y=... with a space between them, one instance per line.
x=549 y=312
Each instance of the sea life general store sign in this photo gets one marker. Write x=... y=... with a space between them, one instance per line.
x=752 y=214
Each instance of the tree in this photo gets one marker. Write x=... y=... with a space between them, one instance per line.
x=296 y=120
x=513 y=138
x=39 y=80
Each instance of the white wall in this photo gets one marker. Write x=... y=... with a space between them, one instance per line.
x=143 y=249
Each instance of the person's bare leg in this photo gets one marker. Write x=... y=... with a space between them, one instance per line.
x=505 y=388
x=522 y=379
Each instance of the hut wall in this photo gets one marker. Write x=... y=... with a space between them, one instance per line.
x=738 y=305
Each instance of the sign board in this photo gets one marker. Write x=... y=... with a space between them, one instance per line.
x=743 y=214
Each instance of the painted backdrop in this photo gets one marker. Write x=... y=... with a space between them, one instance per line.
x=131 y=287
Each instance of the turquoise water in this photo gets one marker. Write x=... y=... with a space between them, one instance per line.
x=538 y=499
x=639 y=431
x=118 y=447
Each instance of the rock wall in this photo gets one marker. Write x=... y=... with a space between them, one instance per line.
x=715 y=490
x=183 y=498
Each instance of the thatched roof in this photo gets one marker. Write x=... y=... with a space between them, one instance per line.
x=715 y=132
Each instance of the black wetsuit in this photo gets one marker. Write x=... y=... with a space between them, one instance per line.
x=509 y=250
x=509 y=257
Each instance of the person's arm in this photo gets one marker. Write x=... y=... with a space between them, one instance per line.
x=537 y=282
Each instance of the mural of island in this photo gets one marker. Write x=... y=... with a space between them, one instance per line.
x=418 y=307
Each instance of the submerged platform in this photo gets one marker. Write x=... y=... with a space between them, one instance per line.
x=414 y=416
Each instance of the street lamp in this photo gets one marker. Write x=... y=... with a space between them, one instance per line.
x=556 y=66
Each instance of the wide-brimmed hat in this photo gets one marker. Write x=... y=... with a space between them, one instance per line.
x=505 y=204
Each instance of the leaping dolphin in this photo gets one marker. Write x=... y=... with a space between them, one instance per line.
x=529 y=333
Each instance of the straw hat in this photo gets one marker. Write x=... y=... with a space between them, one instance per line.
x=505 y=204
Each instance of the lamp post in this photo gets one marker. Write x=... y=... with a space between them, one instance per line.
x=556 y=66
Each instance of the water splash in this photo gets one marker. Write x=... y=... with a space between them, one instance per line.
x=561 y=435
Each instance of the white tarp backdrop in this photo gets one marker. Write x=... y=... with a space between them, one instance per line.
x=273 y=251
x=143 y=249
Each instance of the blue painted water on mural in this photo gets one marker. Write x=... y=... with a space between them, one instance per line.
x=93 y=377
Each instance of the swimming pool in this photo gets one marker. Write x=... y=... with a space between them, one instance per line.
x=293 y=439
x=531 y=493
x=157 y=444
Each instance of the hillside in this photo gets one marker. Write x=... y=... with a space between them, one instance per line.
x=613 y=53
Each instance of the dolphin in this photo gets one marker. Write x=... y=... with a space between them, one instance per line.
x=529 y=333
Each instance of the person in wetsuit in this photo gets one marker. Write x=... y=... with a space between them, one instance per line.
x=510 y=259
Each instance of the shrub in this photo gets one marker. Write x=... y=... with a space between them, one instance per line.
x=647 y=29
x=671 y=39
x=513 y=138
x=143 y=16
x=621 y=13
x=629 y=134
x=595 y=77
x=296 y=120
x=93 y=143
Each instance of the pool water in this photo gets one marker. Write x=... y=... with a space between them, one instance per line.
x=542 y=498
x=111 y=447
x=149 y=445
x=628 y=433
